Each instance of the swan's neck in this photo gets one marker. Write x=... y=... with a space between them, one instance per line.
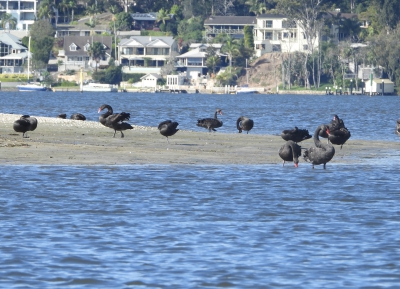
x=215 y=115
x=317 y=142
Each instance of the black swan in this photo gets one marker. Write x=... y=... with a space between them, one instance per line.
x=398 y=127
x=290 y=151
x=335 y=124
x=114 y=120
x=78 y=116
x=168 y=128
x=338 y=136
x=244 y=123
x=62 y=115
x=210 y=123
x=24 y=124
x=321 y=153
x=296 y=135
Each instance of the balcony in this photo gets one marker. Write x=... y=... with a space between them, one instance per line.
x=224 y=30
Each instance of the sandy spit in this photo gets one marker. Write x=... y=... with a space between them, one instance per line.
x=71 y=142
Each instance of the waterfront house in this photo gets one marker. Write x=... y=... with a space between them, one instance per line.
x=75 y=52
x=193 y=62
x=13 y=54
x=275 y=33
x=146 y=54
x=231 y=25
x=379 y=86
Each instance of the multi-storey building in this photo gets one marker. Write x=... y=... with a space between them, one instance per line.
x=275 y=32
x=23 y=10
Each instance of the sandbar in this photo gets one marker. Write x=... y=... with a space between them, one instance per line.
x=72 y=142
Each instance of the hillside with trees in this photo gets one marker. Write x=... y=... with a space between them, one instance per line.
x=184 y=20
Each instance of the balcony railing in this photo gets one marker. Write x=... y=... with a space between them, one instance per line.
x=224 y=30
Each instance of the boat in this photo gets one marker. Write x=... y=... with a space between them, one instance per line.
x=98 y=87
x=30 y=86
x=246 y=89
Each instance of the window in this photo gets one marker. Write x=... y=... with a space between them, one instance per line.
x=267 y=23
x=72 y=47
x=86 y=47
x=289 y=24
x=268 y=35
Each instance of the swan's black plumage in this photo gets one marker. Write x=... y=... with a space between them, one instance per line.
x=321 y=153
x=78 y=116
x=338 y=134
x=244 y=123
x=210 y=123
x=62 y=115
x=296 y=135
x=116 y=121
x=398 y=127
x=290 y=151
x=168 y=128
x=24 y=124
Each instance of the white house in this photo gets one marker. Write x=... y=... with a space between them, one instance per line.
x=150 y=79
x=274 y=32
x=194 y=61
x=25 y=11
x=146 y=54
x=379 y=86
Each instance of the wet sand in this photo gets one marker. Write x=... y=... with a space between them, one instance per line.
x=71 y=142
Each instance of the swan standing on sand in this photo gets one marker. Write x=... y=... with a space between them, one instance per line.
x=114 y=120
x=168 y=128
x=338 y=134
x=24 y=124
x=290 y=151
x=321 y=153
x=296 y=135
x=244 y=123
x=210 y=123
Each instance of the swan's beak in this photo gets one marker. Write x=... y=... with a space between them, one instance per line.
x=220 y=112
x=296 y=165
x=99 y=110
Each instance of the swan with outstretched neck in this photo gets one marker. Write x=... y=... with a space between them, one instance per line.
x=211 y=123
x=321 y=153
x=244 y=124
x=115 y=121
x=290 y=152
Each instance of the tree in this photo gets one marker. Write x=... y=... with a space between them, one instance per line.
x=64 y=7
x=113 y=75
x=46 y=10
x=97 y=51
x=248 y=36
x=7 y=18
x=162 y=16
x=256 y=6
x=213 y=60
x=191 y=29
x=72 y=6
x=92 y=12
x=230 y=47
x=42 y=41
x=306 y=14
x=123 y=22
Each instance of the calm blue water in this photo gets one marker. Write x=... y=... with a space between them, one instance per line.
x=367 y=118
x=256 y=226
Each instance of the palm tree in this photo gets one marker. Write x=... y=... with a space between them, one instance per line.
x=230 y=47
x=72 y=6
x=97 y=51
x=91 y=11
x=7 y=18
x=64 y=7
x=256 y=7
x=46 y=10
x=162 y=16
